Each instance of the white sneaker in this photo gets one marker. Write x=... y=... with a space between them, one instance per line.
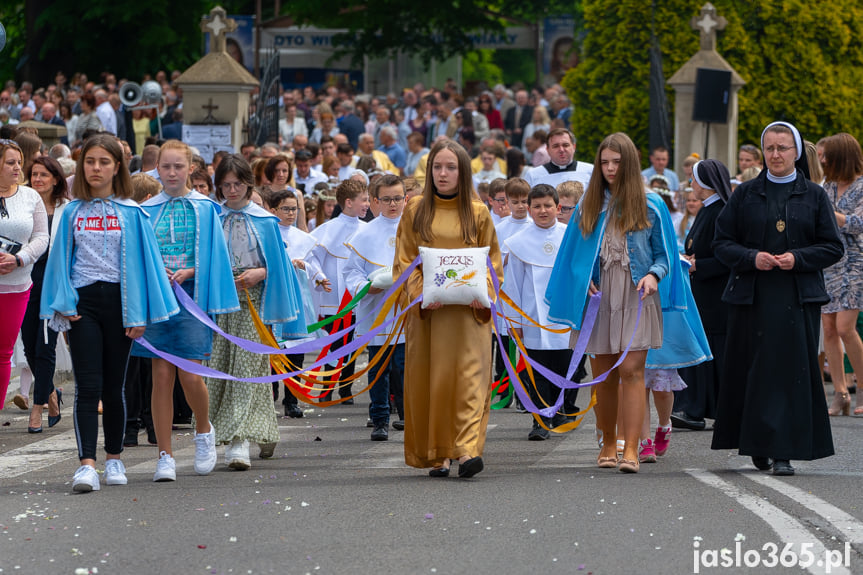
x=166 y=468
x=205 y=451
x=85 y=480
x=115 y=472
x=237 y=455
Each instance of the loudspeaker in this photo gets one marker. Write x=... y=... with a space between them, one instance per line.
x=712 y=90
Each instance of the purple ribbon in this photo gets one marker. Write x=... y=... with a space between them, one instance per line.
x=204 y=371
x=263 y=349
x=578 y=352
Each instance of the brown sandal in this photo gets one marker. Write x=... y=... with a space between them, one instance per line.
x=628 y=466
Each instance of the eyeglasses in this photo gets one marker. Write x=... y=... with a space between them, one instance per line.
x=392 y=201
x=287 y=210
x=567 y=208
x=499 y=200
x=4 y=213
x=233 y=185
x=780 y=149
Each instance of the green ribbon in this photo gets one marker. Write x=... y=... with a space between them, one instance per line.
x=345 y=311
x=510 y=390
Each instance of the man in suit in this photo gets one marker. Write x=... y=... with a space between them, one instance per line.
x=517 y=118
x=350 y=125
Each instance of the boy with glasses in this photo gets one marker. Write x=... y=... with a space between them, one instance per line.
x=373 y=248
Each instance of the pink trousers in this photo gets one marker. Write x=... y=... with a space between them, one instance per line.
x=12 y=308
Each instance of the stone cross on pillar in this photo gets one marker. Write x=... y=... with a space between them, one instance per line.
x=707 y=23
x=218 y=24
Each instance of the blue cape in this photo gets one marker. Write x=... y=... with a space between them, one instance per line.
x=215 y=291
x=146 y=291
x=281 y=302
x=566 y=294
x=683 y=340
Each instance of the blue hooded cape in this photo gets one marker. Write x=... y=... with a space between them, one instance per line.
x=683 y=340
x=145 y=290
x=281 y=302
x=566 y=294
x=215 y=292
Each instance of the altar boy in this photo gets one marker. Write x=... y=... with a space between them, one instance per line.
x=532 y=252
x=516 y=190
x=285 y=206
x=330 y=255
x=373 y=248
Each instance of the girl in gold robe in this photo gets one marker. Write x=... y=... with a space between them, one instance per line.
x=448 y=353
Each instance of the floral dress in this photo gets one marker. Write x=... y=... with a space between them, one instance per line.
x=844 y=279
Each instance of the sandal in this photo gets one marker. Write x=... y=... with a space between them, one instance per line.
x=628 y=466
x=840 y=405
x=606 y=462
x=858 y=403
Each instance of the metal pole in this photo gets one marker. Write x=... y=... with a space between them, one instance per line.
x=258 y=17
x=539 y=46
x=366 y=74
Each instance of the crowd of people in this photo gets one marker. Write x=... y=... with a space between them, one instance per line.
x=690 y=288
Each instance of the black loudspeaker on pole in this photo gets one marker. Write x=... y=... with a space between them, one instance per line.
x=712 y=92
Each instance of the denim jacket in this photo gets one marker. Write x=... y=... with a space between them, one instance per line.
x=646 y=252
x=650 y=251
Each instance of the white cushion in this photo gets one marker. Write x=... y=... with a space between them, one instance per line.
x=456 y=276
x=382 y=278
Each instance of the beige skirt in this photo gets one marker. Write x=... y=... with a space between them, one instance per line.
x=618 y=309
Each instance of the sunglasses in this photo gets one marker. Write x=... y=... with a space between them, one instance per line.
x=11 y=143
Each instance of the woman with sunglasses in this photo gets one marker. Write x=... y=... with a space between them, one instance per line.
x=23 y=239
x=487 y=108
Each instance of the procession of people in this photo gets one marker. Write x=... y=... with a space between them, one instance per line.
x=427 y=244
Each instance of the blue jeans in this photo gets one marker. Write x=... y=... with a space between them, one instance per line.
x=392 y=380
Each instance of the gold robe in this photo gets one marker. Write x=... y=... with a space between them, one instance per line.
x=448 y=359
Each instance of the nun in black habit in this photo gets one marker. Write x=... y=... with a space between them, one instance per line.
x=776 y=234
x=708 y=276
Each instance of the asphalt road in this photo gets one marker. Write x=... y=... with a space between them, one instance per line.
x=331 y=501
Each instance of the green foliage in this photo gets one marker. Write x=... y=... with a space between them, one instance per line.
x=12 y=17
x=131 y=38
x=479 y=65
x=517 y=66
x=378 y=29
x=802 y=61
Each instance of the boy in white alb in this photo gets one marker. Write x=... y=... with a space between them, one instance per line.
x=285 y=206
x=497 y=200
x=373 y=248
x=532 y=252
x=330 y=255
x=516 y=190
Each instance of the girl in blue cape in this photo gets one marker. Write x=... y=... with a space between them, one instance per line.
x=195 y=256
x=104 y=283
x=615 y=244
x=243 y=412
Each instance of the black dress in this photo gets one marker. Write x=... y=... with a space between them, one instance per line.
x=708 y=281
x=771 y=400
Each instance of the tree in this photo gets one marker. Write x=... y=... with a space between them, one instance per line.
x=382 y=27
x=12 y=17
x=802 y=61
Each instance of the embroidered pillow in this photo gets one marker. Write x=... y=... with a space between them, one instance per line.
x=456 y=276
